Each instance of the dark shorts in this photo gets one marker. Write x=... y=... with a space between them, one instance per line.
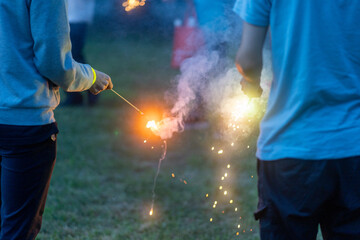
x=296 y=196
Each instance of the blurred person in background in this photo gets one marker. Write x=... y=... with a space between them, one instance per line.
x=81 y=14
x=35 y=57
x=214 y=19
x=308 y=150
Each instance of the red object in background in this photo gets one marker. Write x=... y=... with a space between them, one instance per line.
x=188 y=39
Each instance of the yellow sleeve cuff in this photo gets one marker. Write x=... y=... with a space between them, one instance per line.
x=94 y=73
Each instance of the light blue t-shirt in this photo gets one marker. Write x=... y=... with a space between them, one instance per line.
x=314 y=105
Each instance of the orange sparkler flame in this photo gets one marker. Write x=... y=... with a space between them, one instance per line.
x=131 y=4
x=165 y=128
x=152 y=125
x=151 y=212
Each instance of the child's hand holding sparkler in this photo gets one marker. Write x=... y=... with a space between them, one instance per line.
x=251 y=89
x=102 y=82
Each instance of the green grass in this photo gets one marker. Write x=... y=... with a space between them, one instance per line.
x=101 y=186
x=102 y=181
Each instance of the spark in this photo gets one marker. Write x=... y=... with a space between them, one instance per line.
x=185 y=181
x=207 y=195
x=231 y=201
x=232 y=144
x=221 y=151
x=145 y=141
x=225 y=175
x=252 y=176
x=173 y=175
x=225 y=192
x=151 y=212
x=237 y=234
x=228 y=166
x=248 y=146
x=212 y=149
x=221 y=187
x=215 y=202
x=236 y=209
x=239 y=226
x=211 y=219
x=222 y=178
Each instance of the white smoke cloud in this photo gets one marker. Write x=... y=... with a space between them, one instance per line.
x=208 y=80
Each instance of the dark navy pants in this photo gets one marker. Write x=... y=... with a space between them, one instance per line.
x=26 y=169
x=296 y=196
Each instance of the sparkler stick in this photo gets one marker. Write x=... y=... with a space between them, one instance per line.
x=132 y=105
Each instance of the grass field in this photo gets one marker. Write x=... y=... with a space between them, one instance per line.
x=102 y=182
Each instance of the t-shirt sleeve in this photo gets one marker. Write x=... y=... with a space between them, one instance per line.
x=256 y=12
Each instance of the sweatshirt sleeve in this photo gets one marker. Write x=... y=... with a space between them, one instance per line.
x=52 y=47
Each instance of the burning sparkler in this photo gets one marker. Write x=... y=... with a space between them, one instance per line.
x=238 y=114
x=132 y=4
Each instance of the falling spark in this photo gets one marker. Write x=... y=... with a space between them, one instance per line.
x=222 y=178
x=232 y=144
x=173 y=175
x=214 y=206
x=228 y=166
x=220 y=187
x=145 y=141
x=221 y=151
x=215 y=202
x=212 y=149
x=252 y=176
x=231 y=201
x=185 y=181
x=211 y=219
x=207 y=195
x=236 y=209
x=239 y=226
x=225 y=192
x=237 y=234
x=248 y=146
x=225 y=175
x=155 y=178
